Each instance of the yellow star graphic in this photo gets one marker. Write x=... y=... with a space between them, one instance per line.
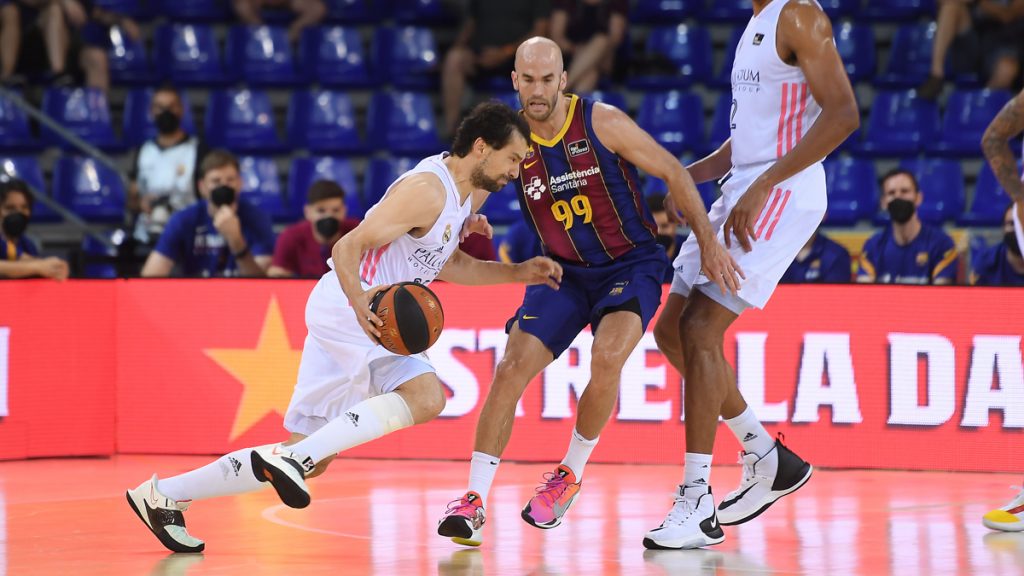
x=267 y=372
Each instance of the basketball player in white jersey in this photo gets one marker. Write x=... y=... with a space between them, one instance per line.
x=350 y=390
x=792 y=105
x=1009 y=123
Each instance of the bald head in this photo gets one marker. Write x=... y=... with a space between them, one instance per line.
x=541 y=52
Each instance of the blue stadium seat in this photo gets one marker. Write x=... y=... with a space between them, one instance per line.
x=356 y=10
x=97 y=257
x=407 y=57
x=262 y=55
x=723 y=79
x=88 y=188
x=729 y=11
x=989 y=202
x=900 y=124
x=14 y=129
x=188 y=55
x=241 y=121
x=261 y=185
x=502 y=207
x=685 y=52
x=381 y=174
x=664 y=11
x=194 y=10
x=720 y=122
x=27 y=168
x=852 y=190
x=84 y=112
x=968 y=114
x=611 y=98
x=898 y=9
x=403 y=123
x=942 y=182
x=856 y=45
x=675 y=119
x=137 y=9
x=305 y=171
x=128 y=61
x=335 y=56
x=138 y=124
x=421 y=12
x=910 y=58
x=511 y=99
x=323 y=121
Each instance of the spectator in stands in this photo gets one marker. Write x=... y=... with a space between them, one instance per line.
x=162 y=175
x=95 y=39
x=307 y=13
x=220 y=235
x=486 y=44
x=821 y=261
x=979 y=35
x=20 y=257
x=909 y=251
x=589 y=32
x=1002 y=264
x=304 y=247
x=519 y=244
x=10 y=38
x=668 y=231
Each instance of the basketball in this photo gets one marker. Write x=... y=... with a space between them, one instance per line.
x=412 y=317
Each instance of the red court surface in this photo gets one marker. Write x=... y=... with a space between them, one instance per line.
x=69 y=517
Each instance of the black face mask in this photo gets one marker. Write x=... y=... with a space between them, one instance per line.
x=1010 y=239
x=167 y=122
x=14 y=225
x=327 y=226
x=901 y=211
x=665 y=241
x=222 y=196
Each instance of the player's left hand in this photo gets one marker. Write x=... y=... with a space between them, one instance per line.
x=476 y=224
x=540 y=270
x=718 y=266
x=744 y=215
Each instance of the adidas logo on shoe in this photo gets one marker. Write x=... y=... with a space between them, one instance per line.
x=750 y=436
x=701 y=482
x=235 y=465
x=353 y=417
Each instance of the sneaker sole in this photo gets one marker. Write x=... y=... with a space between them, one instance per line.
x=291 y=494
x=770 y=499
x=1003 y=527
x=459 y=532
x=165 y=539
x=546 y=525
x=704 y=540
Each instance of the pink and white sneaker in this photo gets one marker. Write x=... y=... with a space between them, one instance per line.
x=545 y=510
x=463 y=521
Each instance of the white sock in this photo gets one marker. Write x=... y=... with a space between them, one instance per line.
x=578 y=453
x=751 y=434
x=228 y=475
x=697 y=469
x=368 y=420
x=482 y=468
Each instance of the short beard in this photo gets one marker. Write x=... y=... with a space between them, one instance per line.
x=479 y=179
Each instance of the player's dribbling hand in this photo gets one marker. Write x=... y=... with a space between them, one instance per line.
x=368 y=321
x=540 y=270
x=744 y=215
x=476 y=224
x=718 y=266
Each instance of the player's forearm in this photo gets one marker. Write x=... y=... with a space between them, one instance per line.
x=714 y=165
x=468 y=271
x=683 y=192
x=829 y=131
x=345 y=255
x=1004 y=166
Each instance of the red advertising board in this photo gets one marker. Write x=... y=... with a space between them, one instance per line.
x=854 y=376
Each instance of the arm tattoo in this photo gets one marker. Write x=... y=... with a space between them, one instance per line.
x=995 y=143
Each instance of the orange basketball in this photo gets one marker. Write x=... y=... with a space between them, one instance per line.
x=412 y=317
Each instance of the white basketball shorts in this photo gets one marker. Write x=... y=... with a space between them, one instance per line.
x=793 y=212
x=340 y=365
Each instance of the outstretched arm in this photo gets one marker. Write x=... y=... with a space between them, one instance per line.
x=462 y=268
x=995 y=143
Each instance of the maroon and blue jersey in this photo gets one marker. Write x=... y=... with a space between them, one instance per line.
x=583 y=200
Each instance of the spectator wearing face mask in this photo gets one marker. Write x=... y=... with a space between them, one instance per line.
x=908 y=251
x=162 y=176
x=821 y=261
x=304 y=247
x=1002 y=264
x=20 y=257
x=222 y=234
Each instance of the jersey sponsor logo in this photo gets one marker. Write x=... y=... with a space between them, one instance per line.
x=535 y=188
x=758 y=38
x=427 y=260
x=573 y=180
x=579 y=147
x=746 y=80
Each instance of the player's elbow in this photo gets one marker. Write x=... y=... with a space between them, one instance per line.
x=847 y=119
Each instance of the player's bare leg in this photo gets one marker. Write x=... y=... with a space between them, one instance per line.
x=525 y=356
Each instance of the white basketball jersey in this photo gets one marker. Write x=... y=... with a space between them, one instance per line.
x=772 y=107
x=407 y=258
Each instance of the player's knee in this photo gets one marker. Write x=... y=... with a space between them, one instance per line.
x=695 y=334
x=434 y=401
x=666 y=334
x=605 y=367
x=511 y=375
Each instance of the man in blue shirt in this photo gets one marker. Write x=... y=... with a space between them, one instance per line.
x=1002 y=264
x=20 y=256
x=821 y=261
x=909 y=251
x=220 y=235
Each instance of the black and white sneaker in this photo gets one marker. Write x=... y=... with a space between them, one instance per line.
x=285 y=470
x=164 y=517
x=765 y=480
x=691 y=523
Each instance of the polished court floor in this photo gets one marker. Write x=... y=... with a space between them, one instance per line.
x=69 y=517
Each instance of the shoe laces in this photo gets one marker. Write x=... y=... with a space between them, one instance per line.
x=749 y=461
x=462 y=507
x=553 y=487
x=681 y=511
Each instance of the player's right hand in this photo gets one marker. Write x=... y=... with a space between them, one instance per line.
x=540 y=270
x=718 y=266
x=368 y=321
